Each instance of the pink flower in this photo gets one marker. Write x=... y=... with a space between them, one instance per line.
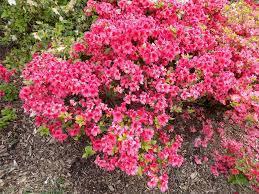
x=163 y=119
x=72 y=102
x=95 y=131
x=79 y=47
x=234 y=171
x=147 y=134
x=175 y=160
x=235 y=98
x=163 y=183
x=197 y=142
x=205 y=159
x=214 y=171
x=5 y=75
x=74 y=131
x=117 y=116
x=152 y=182
x=106 y=164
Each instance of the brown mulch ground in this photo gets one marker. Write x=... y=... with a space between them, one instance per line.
x=30 y=163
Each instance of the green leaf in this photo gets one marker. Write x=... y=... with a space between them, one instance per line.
x=145 y=146
x=80 y=120
x=156 y=123
x=27 y=82
x=159 y=5
x=234 y=104
x=10 y=91
x=88 y=152
x=77 y=138
x=103 y=128
x=239 y=179
x=190 y=110
x=122 y=137
x=153 y=142
x=140 y=171
x=7 y=116
x=177 y=109
x=43 y=130
x=94 y=18
x=5 y=14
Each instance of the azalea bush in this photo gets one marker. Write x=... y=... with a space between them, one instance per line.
x=146 y=76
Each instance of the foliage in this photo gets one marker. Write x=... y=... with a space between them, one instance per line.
x=44 y=131
x=30 y=26
x=88 y=152
x=7 y=116
x=8 y=91
x=239 y=179
x=142 y=66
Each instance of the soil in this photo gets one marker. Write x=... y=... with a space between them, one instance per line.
x=30 y=163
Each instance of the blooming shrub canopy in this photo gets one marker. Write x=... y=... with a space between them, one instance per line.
x=142 y=64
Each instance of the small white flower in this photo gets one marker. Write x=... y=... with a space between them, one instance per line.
x=61 y=48
x=32 y=3
x=12 y=2
x=36 y=36
x=14 y=38
x=55 y=11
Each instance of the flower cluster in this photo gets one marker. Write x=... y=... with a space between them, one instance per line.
x=5 y=77
x=141 y=64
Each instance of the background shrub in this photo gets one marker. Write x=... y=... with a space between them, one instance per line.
x=30 y=26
